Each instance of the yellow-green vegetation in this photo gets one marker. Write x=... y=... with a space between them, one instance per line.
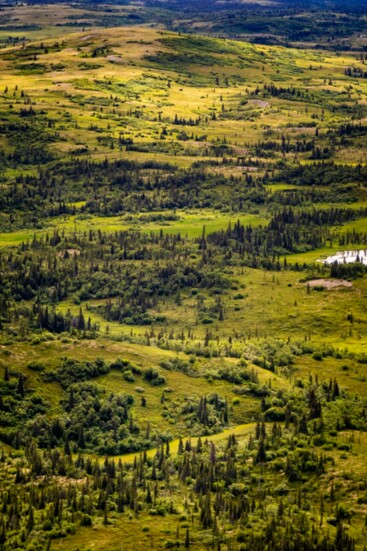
x=181 y=367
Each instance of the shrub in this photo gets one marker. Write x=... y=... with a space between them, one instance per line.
x=86 y=520
x=129 y=377
x=282 y=489
x=47 y=525
x=153 y=377
x=36 y=365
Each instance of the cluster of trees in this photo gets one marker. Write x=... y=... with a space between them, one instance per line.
x=342 y=270
x=284 y=145
x=322 y=174
x=309 y=197
x=30 y=140
x=233 y=500
x=355 y=72
x=289 y=230
x=283 y=92
x=317 y=151
x=112 y=187
x=98 y=265
x=330 y=26
x=49 y=319
x=114 y=267
x=316 y=217
x=92 y=419
x=186 y=122
x=349 y=129
x=203 y=416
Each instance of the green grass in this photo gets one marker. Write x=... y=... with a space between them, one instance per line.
x=190 y=224
x=138 y=87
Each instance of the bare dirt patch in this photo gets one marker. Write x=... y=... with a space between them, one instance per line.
x=259 y=103
x=114 y=59
x=329 y=284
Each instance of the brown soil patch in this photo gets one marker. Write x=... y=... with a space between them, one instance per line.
x=259 y=103
x=114 y=59
x=329 y=284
